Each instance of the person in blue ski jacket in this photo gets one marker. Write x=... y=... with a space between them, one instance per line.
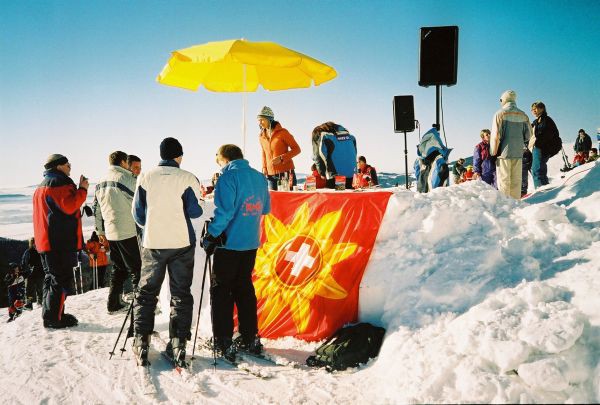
x=241 y=199
x=334 y=153
x=484 y=165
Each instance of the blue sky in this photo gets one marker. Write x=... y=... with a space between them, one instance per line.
x=78 y=77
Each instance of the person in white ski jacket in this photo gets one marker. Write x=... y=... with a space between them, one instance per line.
x=114 y=222
x=510 y=134
x=166 y=199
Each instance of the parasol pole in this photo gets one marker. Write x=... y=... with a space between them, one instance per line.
x=244 y=111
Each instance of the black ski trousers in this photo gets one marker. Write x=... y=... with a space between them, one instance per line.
x=125 y=255
x=35 y=288
x=58 y=282
x=231 y=283
x=180 y=265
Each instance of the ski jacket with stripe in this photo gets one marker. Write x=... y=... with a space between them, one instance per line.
x=112 y=204
x=56 y=213
x=166 y=199
x=510 y=132
x=241 y=198
x=335 y=154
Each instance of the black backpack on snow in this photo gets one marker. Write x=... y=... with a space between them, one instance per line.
x=348 y=347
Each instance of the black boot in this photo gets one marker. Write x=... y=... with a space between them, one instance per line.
x=114 y=292
x=176 y=350
x=141 y=347
x=250 y=344
x=225 y=348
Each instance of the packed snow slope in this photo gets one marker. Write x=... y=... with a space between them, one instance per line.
x=485 y=299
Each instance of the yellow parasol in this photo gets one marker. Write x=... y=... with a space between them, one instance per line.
x=241 y=66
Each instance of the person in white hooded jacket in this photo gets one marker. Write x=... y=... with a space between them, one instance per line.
x=114 y=222
x=166 y=199
x=510 y=134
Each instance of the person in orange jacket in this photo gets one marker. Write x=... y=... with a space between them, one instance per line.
x=97 y=253
x=278 y=148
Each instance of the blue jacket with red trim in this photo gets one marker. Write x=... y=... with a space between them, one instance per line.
x=56 y=213
x=241 y=199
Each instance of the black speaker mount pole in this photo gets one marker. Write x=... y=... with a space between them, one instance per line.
x=405 y=161
x=437 y=107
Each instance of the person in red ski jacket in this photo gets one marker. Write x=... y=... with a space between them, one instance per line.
x=58 y=237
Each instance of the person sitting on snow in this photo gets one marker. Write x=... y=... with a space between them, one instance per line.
x=593 y=155
x=15 y=280
x=579 y=159
x=467 y=174
x=583 y=143
x=458 y=169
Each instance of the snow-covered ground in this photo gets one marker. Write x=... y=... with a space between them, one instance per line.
x=485 y=299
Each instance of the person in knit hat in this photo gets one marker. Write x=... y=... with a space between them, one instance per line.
x=58 y=236
x=510 y=135
x=278 y=149
x=166 y=199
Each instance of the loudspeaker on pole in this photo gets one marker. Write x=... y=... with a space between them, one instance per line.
x=438 y=56
x=404 y=114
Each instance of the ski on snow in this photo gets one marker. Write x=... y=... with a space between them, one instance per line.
x=145 y=379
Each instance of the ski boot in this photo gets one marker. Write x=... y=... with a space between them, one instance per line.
x=176 y=351
x=141 y=347
x=251 y=345
x=225 y=348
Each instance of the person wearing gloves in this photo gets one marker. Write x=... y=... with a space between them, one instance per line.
x=510 y=134
x=58 y=236
x=241 y=199
x=166 y=199
x=278 y=149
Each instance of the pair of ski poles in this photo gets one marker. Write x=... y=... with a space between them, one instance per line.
x=94 y=273
x=75 y=271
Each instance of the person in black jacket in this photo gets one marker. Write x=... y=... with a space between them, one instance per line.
x=31 y=263
x=545 y=131
x=583 y=143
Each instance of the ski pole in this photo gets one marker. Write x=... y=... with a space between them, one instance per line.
x=200 y=307
x=75 y=280
x=96 y=273
x=112 y=352
x=214 y=347
x=80 y=277
x=131 y=321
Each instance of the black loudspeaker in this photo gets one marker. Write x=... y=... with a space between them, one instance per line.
x=404 y=114
x=438 y=56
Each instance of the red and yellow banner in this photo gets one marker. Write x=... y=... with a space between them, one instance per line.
x=314 y=253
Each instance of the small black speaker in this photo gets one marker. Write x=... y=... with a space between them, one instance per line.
x=404 y=114
x=438 y=56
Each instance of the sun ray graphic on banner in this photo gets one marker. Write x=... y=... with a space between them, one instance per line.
x=295 y=264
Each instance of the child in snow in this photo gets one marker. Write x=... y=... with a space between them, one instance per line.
x=593 y=155
x=579 y=159
x=15 y=281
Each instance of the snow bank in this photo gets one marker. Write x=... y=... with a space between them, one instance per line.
x=523 y=344
x=446 y=250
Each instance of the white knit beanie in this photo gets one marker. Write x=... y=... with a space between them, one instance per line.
x=508 y=96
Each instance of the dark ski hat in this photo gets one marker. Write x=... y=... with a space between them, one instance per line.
x=170 y=148
x=55 y=159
